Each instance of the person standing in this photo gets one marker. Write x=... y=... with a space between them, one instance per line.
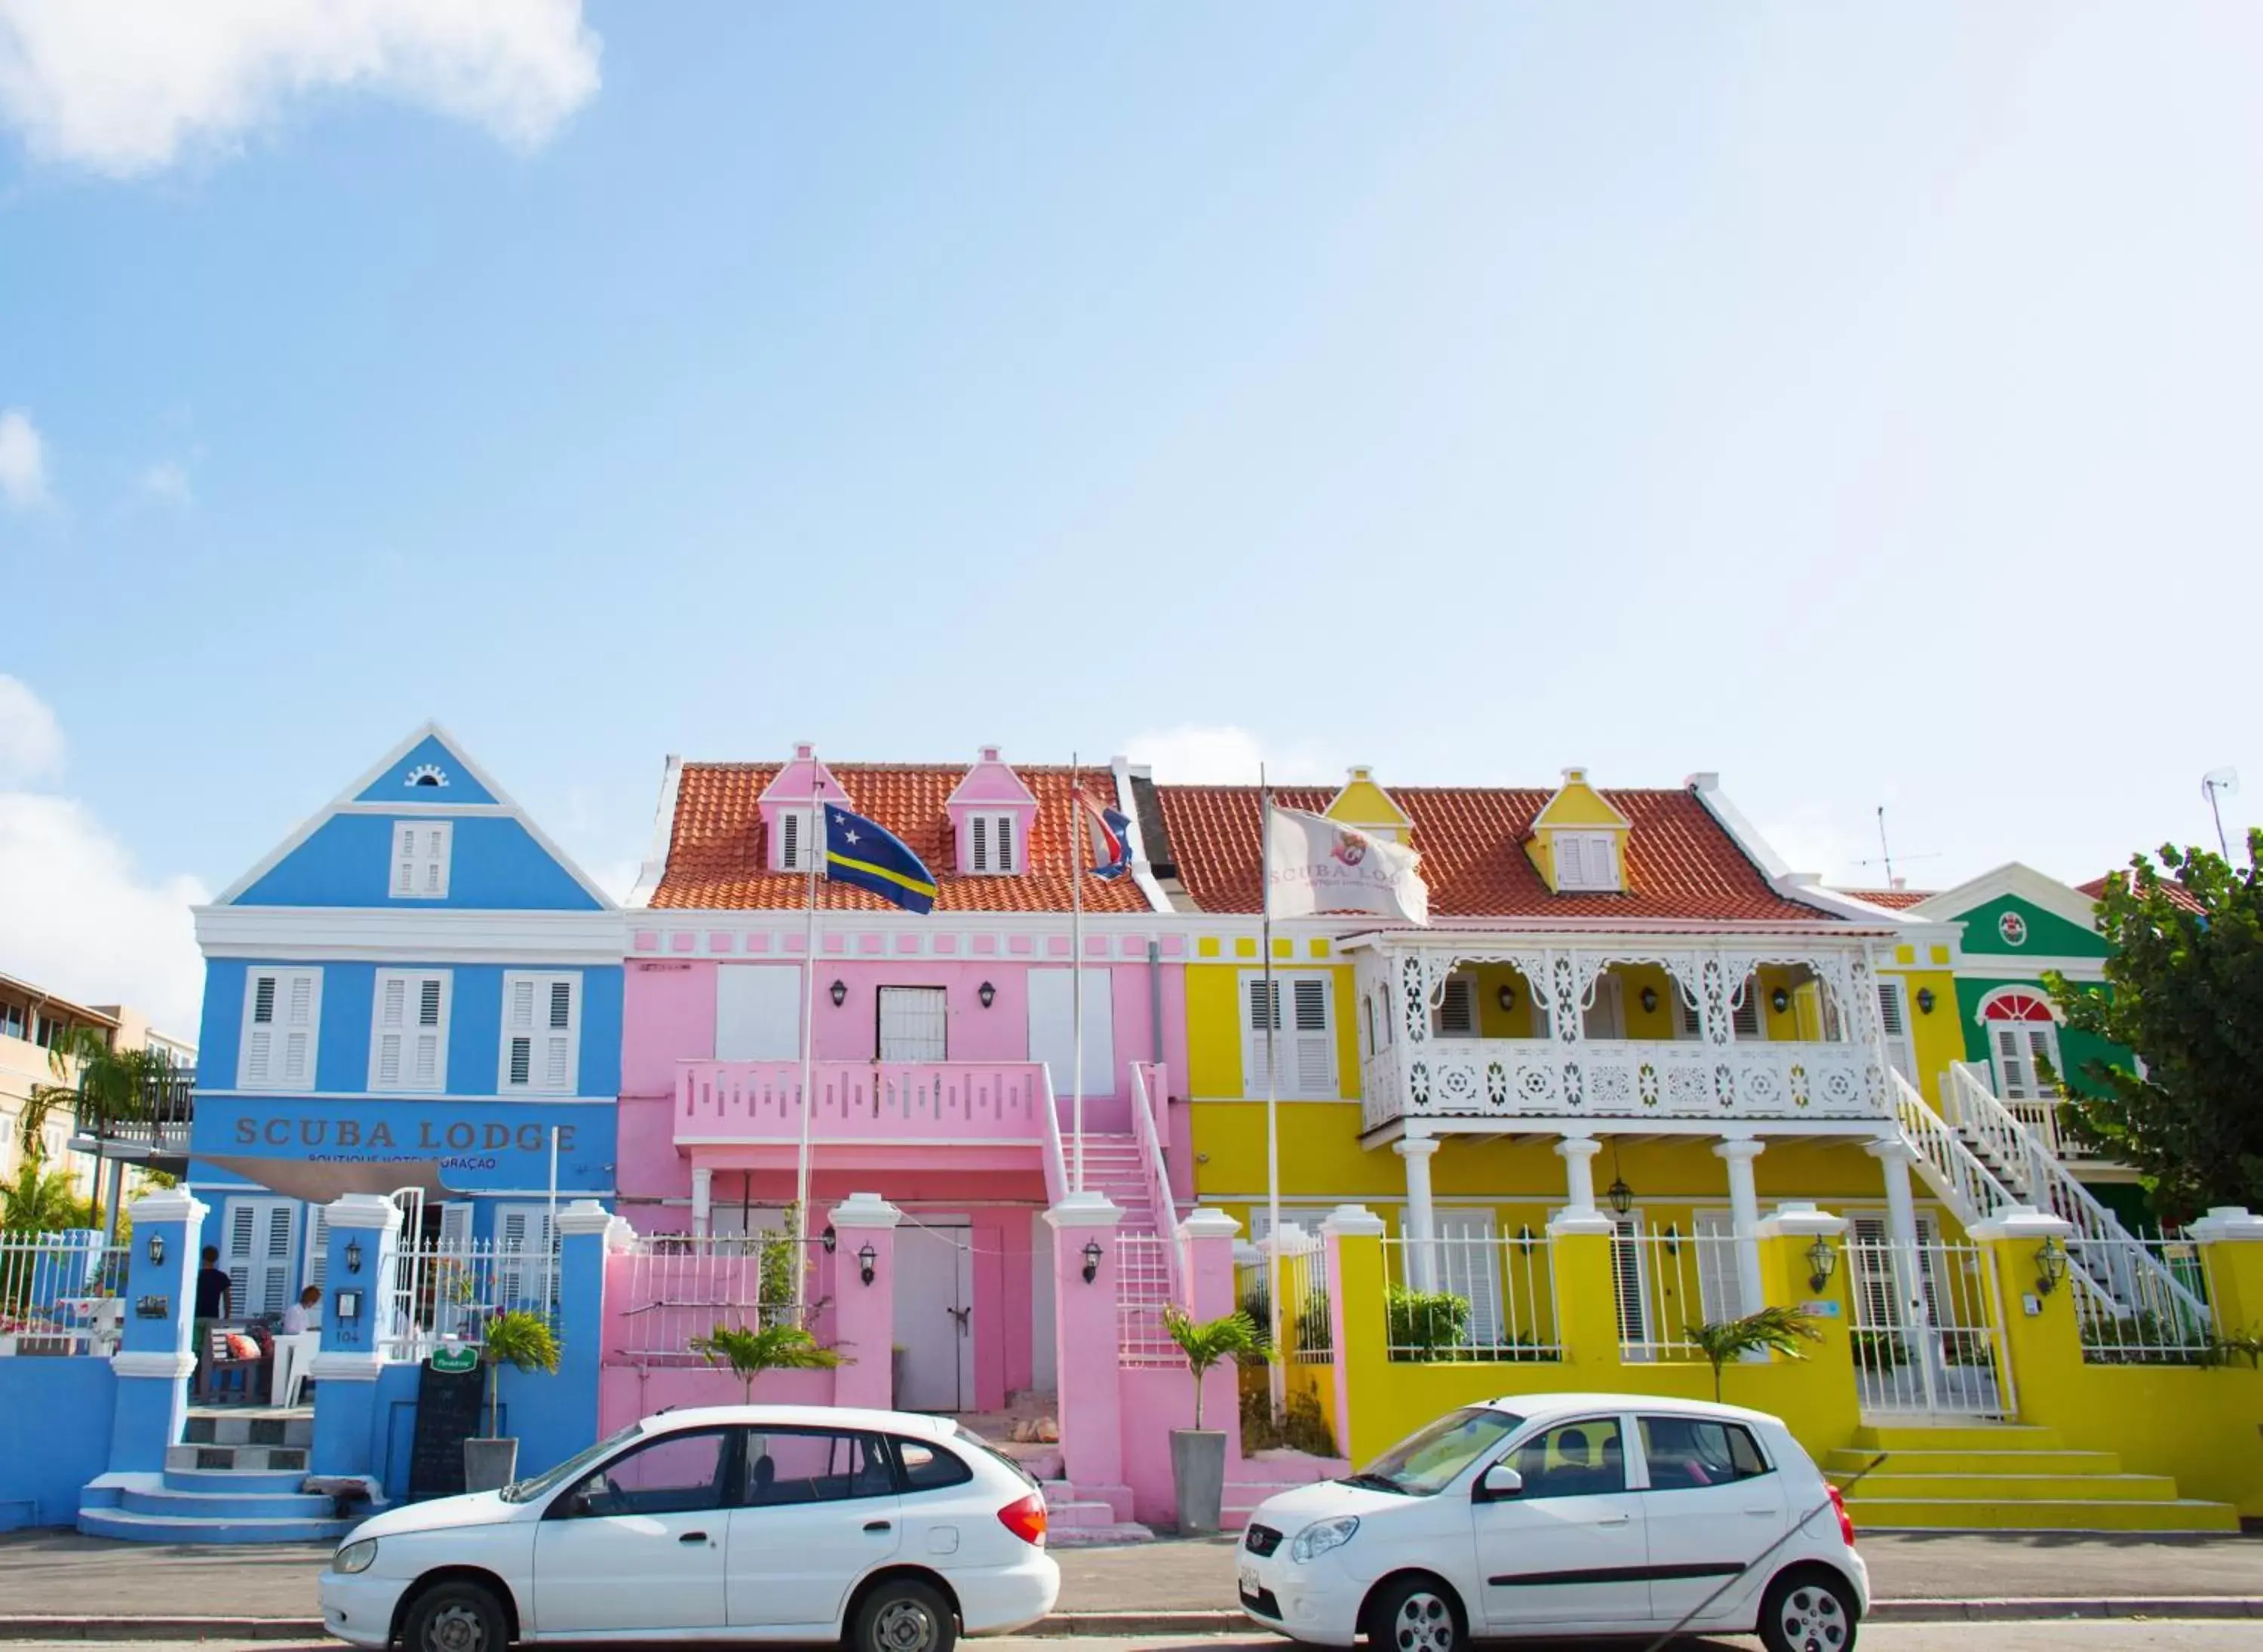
x=215 y=1297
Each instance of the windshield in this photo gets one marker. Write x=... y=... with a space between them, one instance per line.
x=571 y=1469
x=1427 y=1461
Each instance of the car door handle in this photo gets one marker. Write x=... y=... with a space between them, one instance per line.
x=1762 y=1513
x=693 y=1537
x=1614 y=1519
x=876 y=1525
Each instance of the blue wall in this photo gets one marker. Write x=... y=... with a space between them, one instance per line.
x=55 y=1417
x=493 y=864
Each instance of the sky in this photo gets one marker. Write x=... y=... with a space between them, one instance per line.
x=1857 y=401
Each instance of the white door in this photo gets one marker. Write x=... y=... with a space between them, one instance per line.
x=819 y=1512
x=1720 y=1291
x=912 y=1020
x=640 y=1543
x=260 y=1253
x=1570 y=1548
x=2022 y=1050
x=935 y=1310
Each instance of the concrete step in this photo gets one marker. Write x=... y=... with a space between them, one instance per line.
x=130 y=1527
x=2017 y=1487
x=234 y=1481
x=257 y=1459
x=1845 y=1462
x=250 y=1427
x=1963 y=1436
x=224 y=1505
x=1996 y=1514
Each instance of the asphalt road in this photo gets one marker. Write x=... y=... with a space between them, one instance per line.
x=1993 y=1637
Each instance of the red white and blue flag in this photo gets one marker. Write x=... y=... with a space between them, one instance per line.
x=1111 y=838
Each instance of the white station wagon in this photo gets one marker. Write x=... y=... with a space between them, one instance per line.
x=736 y=1523
x=1564 y=1514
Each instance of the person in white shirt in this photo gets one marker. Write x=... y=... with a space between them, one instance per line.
x=304 y=1315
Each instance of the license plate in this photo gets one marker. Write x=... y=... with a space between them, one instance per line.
x=1249 y=1583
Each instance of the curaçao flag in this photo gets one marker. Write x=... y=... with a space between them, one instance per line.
x=870 y=856
x=1111 y=838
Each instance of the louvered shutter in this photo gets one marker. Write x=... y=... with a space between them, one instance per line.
x=2014 y=1075
x=282 y=1015
x=298 y=1006
x=435 y=860
x=1458 y=1009
x=273 y=1281
x=561 y=1019
x=392 y=1031
x=518 y=1032
x=1314 y=1041
x=1466 y=1257
x=1600 y=1019
x=790 y=841
x=1254 y=1025
x=1893 y=1021
x=242 y=1241
x=523 y=1257
x=1626 y=1279
x=317 y=1272
x=980 y=824
x=404 y=857
x=429 y=1051
x=1720 y=1288
x=1686 y=1014
x=1005 y=843
x=259 y=1035
x=1745 y=1019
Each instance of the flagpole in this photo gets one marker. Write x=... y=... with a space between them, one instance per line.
x=813 y=848
x=1076 y=970
x=1277 y=1375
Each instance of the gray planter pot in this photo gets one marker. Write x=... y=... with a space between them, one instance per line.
x=1198 y=1477
x=489 y=1465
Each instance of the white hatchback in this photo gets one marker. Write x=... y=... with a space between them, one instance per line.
x=1559 y=1515
x=737 y=1523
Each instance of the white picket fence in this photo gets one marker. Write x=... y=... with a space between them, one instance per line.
x=61 y=1294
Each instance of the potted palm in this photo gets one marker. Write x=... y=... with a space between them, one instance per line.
x=751 y=1350
x=1197 y=1454
x=525 y=1341
x=1778 y=1330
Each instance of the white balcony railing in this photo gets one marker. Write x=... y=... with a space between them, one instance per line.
x=1623 y=1078
x=881 y=1102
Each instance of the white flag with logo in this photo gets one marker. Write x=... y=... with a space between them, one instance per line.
x=1317 y=866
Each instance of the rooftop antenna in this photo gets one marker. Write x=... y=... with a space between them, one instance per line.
x=1886 y=852
x=2215 y=786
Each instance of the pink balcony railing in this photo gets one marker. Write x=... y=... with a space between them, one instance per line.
x=862 y=1101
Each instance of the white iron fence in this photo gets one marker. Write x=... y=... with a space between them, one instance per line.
x=448 y=1289
x=1473 y=1296
x=681 y=1287
x=61 y=1294
x=1667 y=1282
x=1143 y=1287
x=1928 y=1331
x=2161 y=1318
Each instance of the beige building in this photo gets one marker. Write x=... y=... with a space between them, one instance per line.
x=33 y=1022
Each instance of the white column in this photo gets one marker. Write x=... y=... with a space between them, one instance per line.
x=1422 y=1223
x=1738 y=1153
x=1579 y=1155
x=703 y=1198
x=1893 y=1156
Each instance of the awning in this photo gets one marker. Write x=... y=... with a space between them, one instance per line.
x=321 y=1181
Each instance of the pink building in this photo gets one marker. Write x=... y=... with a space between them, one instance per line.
x=943 y=1045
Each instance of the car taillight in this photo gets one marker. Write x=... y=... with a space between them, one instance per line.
x=1025 y=1520
x=1845 y=1523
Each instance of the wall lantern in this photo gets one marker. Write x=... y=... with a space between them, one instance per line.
x=829 y=1238
x=353 y=1256
x=1524 y=1239
x=1091 y=1260
x=987 y=993
x=1822 y=1263
x=1673 y=1240
x=1620 y=1194
x=1506 y=997
x=865 y=1258
x=2050 y=1265
x=156 y=1250
x=1650 y=1001
x=839 y=992
x=1779 y=1000
x=1925 y=1001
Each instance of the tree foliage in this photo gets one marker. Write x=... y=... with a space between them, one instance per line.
x=2184 y=991
x=519 y=1339
x=1206 y=1342
x=751 y=1350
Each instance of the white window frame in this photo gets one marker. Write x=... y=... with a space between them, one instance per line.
x=793 y=856
x=537 y=1030
x=265 y=1055
x=995 y=845
x=920 y=1002
x=1293 y=990
x=1576 y=871
x=422 y=851
x=420 y=1062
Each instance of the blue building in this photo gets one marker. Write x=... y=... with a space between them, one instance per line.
x=416 y=990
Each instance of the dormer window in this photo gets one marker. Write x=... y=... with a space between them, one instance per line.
x=420 y=860
x=992 y=849
x=1586 y=861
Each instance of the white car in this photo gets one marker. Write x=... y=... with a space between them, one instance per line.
x=736 y=1523
x=1564 y=1514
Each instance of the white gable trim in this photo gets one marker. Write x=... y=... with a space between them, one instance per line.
x=1792 y=886
x=663 y=834
x=2011 y=879
x=345 y=802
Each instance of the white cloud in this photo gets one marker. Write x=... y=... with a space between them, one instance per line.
x=31 y=740
x=23 y=457
x=167 y=482
x=124 y=86
x=76 y=913
x=1222 y=754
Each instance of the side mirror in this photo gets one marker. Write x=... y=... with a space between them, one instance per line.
x=1501 y=1481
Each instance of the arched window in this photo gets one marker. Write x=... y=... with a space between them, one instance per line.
x=2022 y=1039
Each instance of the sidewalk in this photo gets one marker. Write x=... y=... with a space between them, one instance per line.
x=57 y=1574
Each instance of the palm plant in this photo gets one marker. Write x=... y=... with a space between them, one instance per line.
x=111 y=1084
x=751 y=1350
x=1206 y=1342
x=518 y=1338
x=41 y=1200
x=1778 y=1330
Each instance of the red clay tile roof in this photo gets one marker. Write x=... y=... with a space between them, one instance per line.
x=719 y=856
x=1681 y=863
x=2177 y=893
x=1897 y=899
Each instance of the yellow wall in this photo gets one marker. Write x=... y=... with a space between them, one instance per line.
x=1215 y=1010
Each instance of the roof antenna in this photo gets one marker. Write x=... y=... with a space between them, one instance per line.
x=1886 y=850
x=2214 y=785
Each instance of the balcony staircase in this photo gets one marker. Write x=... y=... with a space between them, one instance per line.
x=236 y=1478
x=2003 y=1477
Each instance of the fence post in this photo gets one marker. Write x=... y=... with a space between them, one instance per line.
x=1351 y=1240
x=2232 y=1249
x=155 y=1358
x=1210 y=1294
x=1085 y=1338
x=1587 y=1291
x=1830 y=1404
x=2043 y=1344
x=361 y=1230
x=567 y=1418
x=865 y=1316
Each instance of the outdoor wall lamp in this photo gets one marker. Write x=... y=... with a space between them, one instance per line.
x=1091 y=1260
x=1620 y=1194
x=1673 y=1240
x=353 y=1256
x=1650 y=1001
x=1506 y=997
x=1822 y=1263
x=1925 y=1001
x=865 y=1258
x=1524 y=1238
x=987 y=993
x=2050 y=1265
x=828 y=1238
x=839 y=992
x=1779 y=1000
x=156 y=1250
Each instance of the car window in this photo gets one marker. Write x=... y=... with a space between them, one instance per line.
x=675 y=1473
x=1428 y=1460
x=1685 y=1452
x=1585 y=1459
x=928 y=1467
x=814 y=1465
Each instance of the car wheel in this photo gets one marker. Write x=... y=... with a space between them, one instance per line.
x=901 y=1616
x=1808 y=1612
x=1415 y=1614
x=455 y=1617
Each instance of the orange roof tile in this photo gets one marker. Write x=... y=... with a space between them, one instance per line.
x=1681 y=863
x=1897 y=899
x=2178 y=896
x=718 y=857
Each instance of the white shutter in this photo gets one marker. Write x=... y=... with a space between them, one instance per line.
x=1254 y=1021
x=757 y=1012
x=317 y=1270
x=980 y=824
x=243 y=1237
x=1626 y=1281
x=1602 y=1019
x=1005 y=843
x=524 y=1274
x=518 y=1032
x=1052 y=1029
x=1685 y=1016
x=455 y=1226
x=1457 y=1010
x=1313 y=1038
x=404 y=857
x=282 y=1017
x=420 y=860
x=2013 y=1073
x=1745 y=1019
x=262 y=1237
x=1893 y=1021
x=541 y=1034
x=1720 y=1288
x=790 y=841
x=408 y=1039
x=392 y=1031
x=429 y=1063
x=559 y=1032
x=1467 y=1258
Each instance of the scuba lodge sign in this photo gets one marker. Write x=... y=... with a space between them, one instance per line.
x=319 y=1138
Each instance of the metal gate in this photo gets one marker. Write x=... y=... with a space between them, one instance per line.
x=1928 y=1336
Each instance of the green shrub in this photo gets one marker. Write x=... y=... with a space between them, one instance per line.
x=1424 y=1322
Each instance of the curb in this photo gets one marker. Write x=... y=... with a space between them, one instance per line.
x=1124 y=1624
